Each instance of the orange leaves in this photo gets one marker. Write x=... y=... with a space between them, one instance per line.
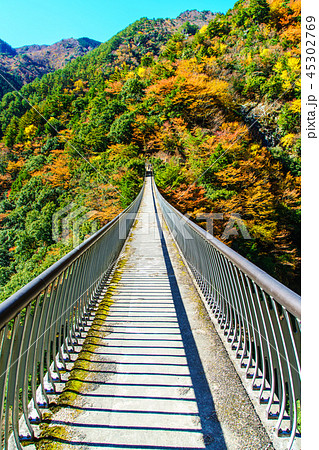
x=198 y=93
x=290 y=12
x=231 y=135
x=192 y=94
x=188 y=198
x=293 y=34
x=197 y=90
x=5 y=182
x=102 y=202
x=57 y=173
x=143 y=132
x=3 y=216
x=170 y=138
x=162 y=88
x=253 y=165
x=291 y=191
x=117 y=151
x=154 y=137
x=187 y=66
x=65 y=135
x=286 y=16
x=13 y=167
x=253 y=196
x=113 y=88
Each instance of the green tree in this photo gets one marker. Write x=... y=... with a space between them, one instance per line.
x=121 y=129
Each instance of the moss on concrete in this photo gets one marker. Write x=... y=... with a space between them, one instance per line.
x=55 y=437
x=50 y=437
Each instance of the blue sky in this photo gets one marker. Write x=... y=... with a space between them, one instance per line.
x=25 y=22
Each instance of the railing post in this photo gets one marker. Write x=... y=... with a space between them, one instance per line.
x=39 y=325
x=254 y=311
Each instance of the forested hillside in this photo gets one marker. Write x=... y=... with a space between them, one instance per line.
x=22 y=65
x=216 y=109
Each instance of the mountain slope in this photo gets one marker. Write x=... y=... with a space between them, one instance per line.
x=22 y=65
x=216 y=110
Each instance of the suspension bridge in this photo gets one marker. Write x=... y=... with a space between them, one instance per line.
x=151 y=334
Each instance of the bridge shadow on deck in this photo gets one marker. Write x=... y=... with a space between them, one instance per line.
x=211 y=428
x=157 y=418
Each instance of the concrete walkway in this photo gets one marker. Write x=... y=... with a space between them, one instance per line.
x=153 y=373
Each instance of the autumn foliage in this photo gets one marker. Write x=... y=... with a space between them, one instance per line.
x=216 y=110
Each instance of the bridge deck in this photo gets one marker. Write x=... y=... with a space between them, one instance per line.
x=153 y=373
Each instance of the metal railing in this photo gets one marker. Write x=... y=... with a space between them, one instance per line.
x=259 y=319
x=41 y=323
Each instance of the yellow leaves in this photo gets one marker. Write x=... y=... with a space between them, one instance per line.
x=289 y=71
x=218 y=48
x=291 y=190
x=265 y=53
x=265 y=231
x=294 y=64
x=117 y=75
x=203 y=29
x=30 y=131
x=288 y=140
x=79 y=85
x=253 y=198
x=187 y=66
x=210 y=65
x=254 y=149
x=222 y=48
x=274 y=5
x=285 y=78
x=130 y=74
x=278 y=67
x=298 y=84
x=258 y=202
x=198 y=92
x=295 y=106
x=141 y=71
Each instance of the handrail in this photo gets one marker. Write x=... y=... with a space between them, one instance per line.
x=42 y=322
x=257 y=317
x=14 y=304
x=285 y=296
